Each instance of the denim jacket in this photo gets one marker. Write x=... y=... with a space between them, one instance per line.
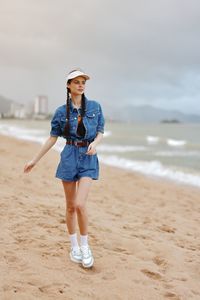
x=93 y=120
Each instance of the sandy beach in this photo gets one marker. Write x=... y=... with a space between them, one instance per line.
x=144 y=234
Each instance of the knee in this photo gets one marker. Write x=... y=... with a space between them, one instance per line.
x=71 y=209
x=80 y=208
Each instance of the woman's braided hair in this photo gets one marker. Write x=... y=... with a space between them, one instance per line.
x=66 y=132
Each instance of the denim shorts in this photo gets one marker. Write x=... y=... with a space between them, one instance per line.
x=75 y=163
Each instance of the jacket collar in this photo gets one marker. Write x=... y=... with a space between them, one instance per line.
x=72 y=108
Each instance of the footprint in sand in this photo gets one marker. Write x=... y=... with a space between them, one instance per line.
x=90 y=271
x=168 y=286
x=14 y=261
x=185 y=245
x=167 y=228
x=109 y=276
x=172 y=296
x=152 y=275
x=122 y=250
x=15 y=289
x=159 y=261
x=10 y=258
x=62 y=221
x=127 y=227
x=59 y=288
x=147 y=220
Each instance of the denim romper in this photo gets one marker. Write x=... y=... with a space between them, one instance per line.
x=74 y=162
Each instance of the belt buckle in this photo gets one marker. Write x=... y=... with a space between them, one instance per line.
x=78 y=143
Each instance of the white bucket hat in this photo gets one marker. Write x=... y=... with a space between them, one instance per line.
x=75 y=73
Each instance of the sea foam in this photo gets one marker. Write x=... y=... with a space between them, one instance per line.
x=177 y=153
x=176 y=143
x=119 y=148
x=153 y=168
x=152 y=139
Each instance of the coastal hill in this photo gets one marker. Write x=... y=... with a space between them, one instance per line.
x=131 y=113
x=5 y=104
x=148 y=114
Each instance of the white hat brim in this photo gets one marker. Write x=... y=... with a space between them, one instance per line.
x=75 y=74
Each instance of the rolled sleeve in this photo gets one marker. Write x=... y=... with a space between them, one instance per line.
x=55 y=125
x=101 y=121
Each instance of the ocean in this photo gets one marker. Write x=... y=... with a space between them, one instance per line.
x=170 y=151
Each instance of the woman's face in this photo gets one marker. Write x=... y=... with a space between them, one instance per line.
x=77 y=85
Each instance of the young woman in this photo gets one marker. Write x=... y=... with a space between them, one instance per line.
x=81 y=122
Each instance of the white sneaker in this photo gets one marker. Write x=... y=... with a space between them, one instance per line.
x=76 y=255
x=87 y=257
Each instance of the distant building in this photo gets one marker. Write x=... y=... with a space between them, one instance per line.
x=29 y=107
x=17 y=110
x=36 y=109
x=41 y=105
x=4 y=107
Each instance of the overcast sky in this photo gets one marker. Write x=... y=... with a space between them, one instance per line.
x=136 y=52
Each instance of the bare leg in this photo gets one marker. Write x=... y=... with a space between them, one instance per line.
x=81 y=196
x=70 y=195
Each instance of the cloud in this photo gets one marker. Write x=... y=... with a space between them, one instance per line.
x=135 y=51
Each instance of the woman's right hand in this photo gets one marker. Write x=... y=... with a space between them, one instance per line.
x=28 y=166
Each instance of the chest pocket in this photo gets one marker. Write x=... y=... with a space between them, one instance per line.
x=72 y=121
x=92 y=117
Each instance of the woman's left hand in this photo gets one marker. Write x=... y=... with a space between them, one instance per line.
x=91 y=149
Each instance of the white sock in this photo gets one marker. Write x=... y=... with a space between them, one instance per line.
x=84 y=240
x=73 y=240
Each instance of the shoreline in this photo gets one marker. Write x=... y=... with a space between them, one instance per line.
x=140 y=226
x=149 y=169
x=157 y=165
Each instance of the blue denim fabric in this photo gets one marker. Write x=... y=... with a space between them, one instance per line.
x=93 y=121
x=74 y=162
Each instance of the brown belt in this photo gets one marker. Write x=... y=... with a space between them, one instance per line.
x=78 y=143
